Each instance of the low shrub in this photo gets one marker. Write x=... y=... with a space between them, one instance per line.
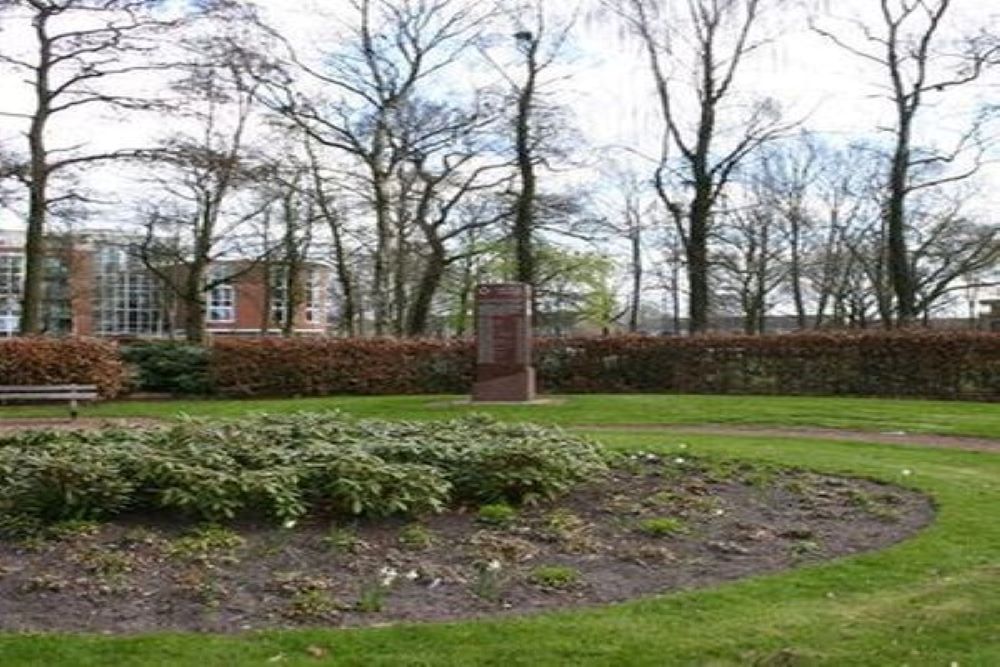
x=286 y=466
x=51 y=361
x=356 y=482
x=523 y=463
x=661 y=526
x=554 y=576
x=169 y=366
x=496 y=514
x=68 y=476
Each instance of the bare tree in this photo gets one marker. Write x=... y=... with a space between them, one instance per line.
x=708 y=41
x=752 y=258
x=920 y=62
x=629 y=216
x=330 y=211
x=204 y=211
x=81 y=49
x=949 y=249
x=453 y=198
x=539 y=44
x=391 y=51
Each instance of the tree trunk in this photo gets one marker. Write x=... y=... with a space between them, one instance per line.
x=637 y=269
x=293 y=297
x=795 y=271
x=194 y=322
x=524 y=215
x=34 y=251
x=895 y=221
x=342 y=268
x=697 y=258
x=430 y=281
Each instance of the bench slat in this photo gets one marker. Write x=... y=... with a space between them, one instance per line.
x=47 y=397
x=49 y=388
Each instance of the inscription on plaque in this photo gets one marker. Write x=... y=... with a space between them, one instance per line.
x=503 y=337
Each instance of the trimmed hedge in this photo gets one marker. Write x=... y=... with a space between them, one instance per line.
x=948 y=365
x=319 y=366
x=50 y=361
x=927 y=364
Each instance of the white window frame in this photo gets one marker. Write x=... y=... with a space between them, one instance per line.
x=222 y=302
x=10 y=301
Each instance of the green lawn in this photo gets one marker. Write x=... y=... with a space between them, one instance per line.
x=943 y=417
x=933 y=600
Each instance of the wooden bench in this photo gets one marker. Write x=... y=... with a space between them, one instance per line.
x=74 y=393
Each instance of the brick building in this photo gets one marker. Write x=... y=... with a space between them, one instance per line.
x=96 y=287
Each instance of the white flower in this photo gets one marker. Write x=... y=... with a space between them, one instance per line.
x=719 y=512
x=412 y=575
x=679 y=461
x=388 y=575
x=493 y=566
x=907 y=472
x=683 y=445
x=289 y=524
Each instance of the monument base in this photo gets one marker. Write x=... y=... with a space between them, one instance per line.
x=504 y=385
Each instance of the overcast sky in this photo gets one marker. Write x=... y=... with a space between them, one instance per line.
x=608 y=86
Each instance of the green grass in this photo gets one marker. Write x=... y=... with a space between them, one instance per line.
x=932 y=600
x=942 y=417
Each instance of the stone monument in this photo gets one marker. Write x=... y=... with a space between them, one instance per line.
x=503 y=336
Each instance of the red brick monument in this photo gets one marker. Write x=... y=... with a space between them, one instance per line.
x=503 y=335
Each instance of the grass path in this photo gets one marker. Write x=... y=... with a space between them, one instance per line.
x=864 y=414
x=933 y=600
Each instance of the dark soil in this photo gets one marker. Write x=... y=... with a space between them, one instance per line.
x=149 y=574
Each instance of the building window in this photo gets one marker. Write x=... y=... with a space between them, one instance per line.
x=11 y=288
x=278 y=294
x=315 y=298
x=128 y=300
x=312 y=291
x=221 y=299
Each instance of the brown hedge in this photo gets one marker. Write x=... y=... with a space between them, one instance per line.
x=51 y=361
x=950 y=365
x=319 y=366
x=954 y=365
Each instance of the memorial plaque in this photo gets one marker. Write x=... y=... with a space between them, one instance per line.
x=503 y=338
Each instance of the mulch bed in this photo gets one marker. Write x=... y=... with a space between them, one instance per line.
x=724 y=521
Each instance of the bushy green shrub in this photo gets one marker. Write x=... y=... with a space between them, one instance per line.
x=523 y=463
x=356 y=482
x=169 y=366
x=67 y=476
x=286 y=466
